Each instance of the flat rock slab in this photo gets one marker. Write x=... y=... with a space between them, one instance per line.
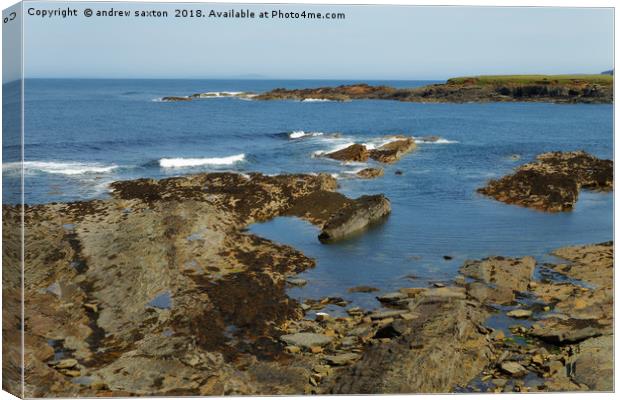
x=593 y=365
x=513 y=273
x=564 y=331
x=519 y=313
x=342 y=359
x=306 y=340
x=513 y=368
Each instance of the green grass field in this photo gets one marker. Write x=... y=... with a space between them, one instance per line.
x=534 y=79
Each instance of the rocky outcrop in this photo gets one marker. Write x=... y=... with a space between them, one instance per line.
x=146 y=293
x=355 y=152
x=389 y=152
x=438 y=347
x=393 y=151
x=169 y=99
x=584 y=89
x=370 y=173
x=355 y=217
x=553 y=181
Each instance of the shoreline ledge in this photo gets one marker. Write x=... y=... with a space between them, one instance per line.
x=163 y=281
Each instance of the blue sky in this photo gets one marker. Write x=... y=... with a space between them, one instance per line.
x=377 y=42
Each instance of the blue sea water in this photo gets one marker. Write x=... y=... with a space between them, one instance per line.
x=80 y=135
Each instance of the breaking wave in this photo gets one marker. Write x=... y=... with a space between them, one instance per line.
x=62 y=168
x=197 y=162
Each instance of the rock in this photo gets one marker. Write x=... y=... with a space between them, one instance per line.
x=67 y=363
x=342 y=359
x=398 y=172
x=363 y=289
x=296 y=281
x=71 y=372
x=490 y=294
x=175 y=98
x=369 y=173
x=454 y=292
x=393 y=151
x=593 y=364
x=513 y=273
x=461 y=90
x=99 y=385
x=322 y=369
x=553 y=182
x=292 y=349
x=355 y=311
x=391 y=298
x=445 y=340
x=562 y=331
x=355 y=152
x=448 y=258
x=499 y=382
x=392 y=330
x=380 y=315
x=513 y=368
x=306 y=340
x=555 y=367
x=355 y=217
x=519 y=313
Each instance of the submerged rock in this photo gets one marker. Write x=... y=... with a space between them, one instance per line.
x=553 y=182
x=369 y=173
x=175 y=98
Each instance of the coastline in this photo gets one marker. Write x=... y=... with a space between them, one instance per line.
x=190 y=322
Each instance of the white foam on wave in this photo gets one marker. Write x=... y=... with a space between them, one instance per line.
x=197 y=162
x=301 y=134
x=61 y=168
x=420 y=140
x=333 y=149
x=210 y=95
x=312 y=100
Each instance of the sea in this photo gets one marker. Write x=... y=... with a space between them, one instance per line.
x=81 y=135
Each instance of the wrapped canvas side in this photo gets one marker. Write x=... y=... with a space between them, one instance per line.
x=12 y=203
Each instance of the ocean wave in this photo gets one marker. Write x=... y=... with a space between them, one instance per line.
x=197 y=162
x=319 y=153
x=433 y=140
x=62 y=168
x=301 y=134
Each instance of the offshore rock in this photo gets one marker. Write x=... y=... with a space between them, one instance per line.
x=553 y=182
x=355 y=217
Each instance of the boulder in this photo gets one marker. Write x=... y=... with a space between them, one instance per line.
x=355 y=217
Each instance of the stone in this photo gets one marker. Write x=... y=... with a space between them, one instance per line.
x=342 y=359
x=518 y=313
x=292 y=349
x=355 y=152
x=363 y=289
x=370 y=173
x=563 y=331
x=513 y=368
x=380 y=315
x=306 y=340
x=593 y=364
x=392 y=297
x=394 y=150
x=355 y=217
x=513 y=273
x=66 y=363
x=296 y=281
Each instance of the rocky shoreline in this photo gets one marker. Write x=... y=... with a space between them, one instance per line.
x=548 y=89
x=160 y=290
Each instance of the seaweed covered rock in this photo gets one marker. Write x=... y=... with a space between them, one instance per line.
x=553 y=181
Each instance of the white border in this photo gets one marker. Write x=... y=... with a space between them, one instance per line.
x=504 y=3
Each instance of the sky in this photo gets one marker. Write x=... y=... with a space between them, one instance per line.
x=373 y=42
